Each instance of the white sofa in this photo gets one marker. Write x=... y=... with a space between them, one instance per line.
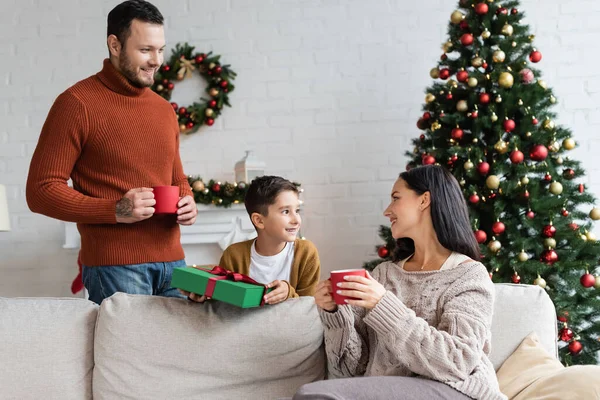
x=139 y=347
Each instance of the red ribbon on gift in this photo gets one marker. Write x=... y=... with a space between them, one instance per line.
x=225 y=274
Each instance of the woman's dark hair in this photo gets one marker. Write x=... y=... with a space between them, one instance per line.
x=120 y=17
x=449 y=213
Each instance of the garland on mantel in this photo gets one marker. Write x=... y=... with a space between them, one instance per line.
x=220 y=194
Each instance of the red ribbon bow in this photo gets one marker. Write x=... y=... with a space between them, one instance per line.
x=225 y=274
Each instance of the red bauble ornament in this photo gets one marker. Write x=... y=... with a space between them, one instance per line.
x=421 y=123
x=483 y=168
x=216 y=187
x=502 y=10
x=428 y=160
x=426 y=115
x=456 y=133
x=383 y=252
x=209 y=121
x=444 y=73
x=525 y=194
x=530 y=214
x=562 y=318
x=565 y=212
x=509 y=125
x=474 y=198
x=481 y=8
x=484 y=65
x=189 y=125
x=573 y=226
x=581 y=188
x=218 y=70
x=492 y=196
x=539 y=152
x=165 y=82
x=535 y=56
x=515 y=278
x=569 y=173
x=549 y=256
x=480 y=236
x=484 y=98
x=224 y=84
x=182 y=111
x=422 y=137
x=498 y=228
x=443 y=57
x=170 y=86
x=514 y=11
x=565 y=334
x=466 y=39
x=462 y=76
x=166 y=68
x=516 y=157
x=175 y=106
x=212 y=103
x=548 y=178
x=449 y=96
x=199 y=58
x=549 y=231
x=464 y=25
x=534 y=121
x=587 y=280
x=474 y=114
x=575 y=347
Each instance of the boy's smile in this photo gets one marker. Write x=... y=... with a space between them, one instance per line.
x=283 y=219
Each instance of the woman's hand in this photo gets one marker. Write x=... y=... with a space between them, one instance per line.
x=323 y=296
x=367 y=291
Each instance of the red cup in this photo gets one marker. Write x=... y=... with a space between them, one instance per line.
x=337 y=277
x=166 y=198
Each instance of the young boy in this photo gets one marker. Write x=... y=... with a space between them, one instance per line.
x=276 y=257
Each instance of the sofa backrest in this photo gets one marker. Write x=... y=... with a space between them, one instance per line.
x=46 y=348
x=165 y=348
x=518 y=311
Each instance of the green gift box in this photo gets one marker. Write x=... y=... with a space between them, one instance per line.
x=226 y=286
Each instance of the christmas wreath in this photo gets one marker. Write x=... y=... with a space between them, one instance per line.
x=182 y=64
x=220 y=194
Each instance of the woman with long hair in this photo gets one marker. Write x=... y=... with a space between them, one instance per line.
x=418 y=327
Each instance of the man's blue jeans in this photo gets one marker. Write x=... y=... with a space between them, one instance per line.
x=150 y=278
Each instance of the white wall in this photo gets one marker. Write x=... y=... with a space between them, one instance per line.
x=328 y=94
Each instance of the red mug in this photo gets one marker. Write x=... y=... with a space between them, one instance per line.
x=166 y=198
x=337 y=277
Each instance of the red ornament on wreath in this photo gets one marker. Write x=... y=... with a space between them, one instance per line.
x=184 y=63
x=383 y=252
x=216 y=187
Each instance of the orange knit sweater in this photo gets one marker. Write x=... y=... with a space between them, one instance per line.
x=108 y=136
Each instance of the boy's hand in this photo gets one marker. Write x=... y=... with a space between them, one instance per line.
x=194 y=296
x=279 y=294
x=323 y=297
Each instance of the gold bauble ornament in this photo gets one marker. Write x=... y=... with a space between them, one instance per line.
x=590 y=236
x=435 y=126
x=462 y=182
x=498 y=99
x=520 y=102
x=542 y=83
x=494 y=117
x=160 y=88
x=429 y=98
x=475 y=140
x=568 y=144
x=554 y=146
x=447 y=46
x=523 y=256
x=583 y=237
x=209 y=112
x=477 y=62
x=198 y=186
x=540 y=282
x=434 y=73
x=456 y=17
x=492 y=182
x=494 y=246
x=595 y=214
x=498 y=56
x=213 y=92
x=550 y=242
x=514 y=44
x=556 y=188
x=597 y=284
x=506 y=80
x=501 y=146
x=524 y=180
x=462 y=106
x=507 y=30
x=452 y=83
x=468 y=165
x=211 y=65
x=472 y=82
x=182 y=128
x=548 y=124
x=486 y=34
x=552 y=99
x=528 y=134
x=559 y=160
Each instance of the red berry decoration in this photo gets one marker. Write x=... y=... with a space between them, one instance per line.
x=212 y=103
x=456 y=133
x=498 y=228
x=224 y=84
x=428 y=160
x=462 y=76
x=575 y=347
x=565 y=334
x=483 y=168
x=209 y=121
x=549 y=231
x=515 y=278
x=516 y=157
x=587 y=280
x=474 y=198
x=218 y=69
x=539 y=152
x=484 y=98
x=480 y=236
x=444 y=73
x=383 y=252
x=182 y=110
x=189 y=125
x=481 y=8
x=549 y=256
x=170 y=86
x=216 y=187
x=165 y=82
x=509 y=125
x=175 y=106
x=466 y=39
x=535 y=56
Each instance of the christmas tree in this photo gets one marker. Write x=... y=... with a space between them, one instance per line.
x=488 y=119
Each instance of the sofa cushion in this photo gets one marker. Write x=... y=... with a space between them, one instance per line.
x=532 y=373
x=158 y=348
x=518 y=311
x=46 y=348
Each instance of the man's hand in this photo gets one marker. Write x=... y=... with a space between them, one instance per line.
x=279 y=294
x=186 y=211
x=194 y=296
x=135 y=206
